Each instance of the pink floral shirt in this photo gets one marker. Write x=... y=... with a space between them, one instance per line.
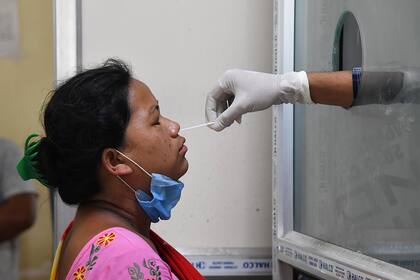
x=117 y=253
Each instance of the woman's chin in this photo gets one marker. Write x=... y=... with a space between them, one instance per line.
x=183 y=168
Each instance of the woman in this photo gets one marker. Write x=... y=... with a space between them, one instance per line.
x=108 y=150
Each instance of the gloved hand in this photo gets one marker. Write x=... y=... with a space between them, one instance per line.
x=248 y=91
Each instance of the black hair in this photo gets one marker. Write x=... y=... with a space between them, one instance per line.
x=85 y=114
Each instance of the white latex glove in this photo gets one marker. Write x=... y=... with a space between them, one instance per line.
x=248 y=91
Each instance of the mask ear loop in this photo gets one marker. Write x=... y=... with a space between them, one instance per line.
x=135 y=163
x=125 y=183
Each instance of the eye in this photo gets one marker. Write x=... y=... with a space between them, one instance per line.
x=157 y=122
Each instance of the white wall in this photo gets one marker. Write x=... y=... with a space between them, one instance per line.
x=180 y=48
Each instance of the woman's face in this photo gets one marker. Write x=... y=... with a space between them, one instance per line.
x=151 y=139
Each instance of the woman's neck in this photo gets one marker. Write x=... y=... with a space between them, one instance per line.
x=126 y=216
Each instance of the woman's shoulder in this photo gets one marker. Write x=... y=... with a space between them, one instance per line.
x=118 y=253
x=124 y=238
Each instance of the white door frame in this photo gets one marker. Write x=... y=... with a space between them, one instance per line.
x=283 y=61
x=67 y=60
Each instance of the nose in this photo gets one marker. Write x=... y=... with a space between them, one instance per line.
x=173 y=128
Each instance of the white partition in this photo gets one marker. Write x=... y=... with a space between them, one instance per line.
x=179 y=49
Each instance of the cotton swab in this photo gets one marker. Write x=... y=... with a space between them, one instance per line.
x=196 y=126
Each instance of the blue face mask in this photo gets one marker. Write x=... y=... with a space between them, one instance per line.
x=166 y=193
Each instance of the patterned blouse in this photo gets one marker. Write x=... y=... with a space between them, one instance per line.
x=117 y=253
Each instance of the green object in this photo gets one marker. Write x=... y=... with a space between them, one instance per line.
x=27 y=167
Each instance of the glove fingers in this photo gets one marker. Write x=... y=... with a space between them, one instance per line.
x=216 y=102
x=211 y=109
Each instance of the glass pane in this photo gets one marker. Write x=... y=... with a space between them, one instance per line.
x=357 y=171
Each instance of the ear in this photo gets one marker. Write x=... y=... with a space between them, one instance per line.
x=114 y=164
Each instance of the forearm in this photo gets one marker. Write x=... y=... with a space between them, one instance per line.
x=331 y=88
x=10 y=227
